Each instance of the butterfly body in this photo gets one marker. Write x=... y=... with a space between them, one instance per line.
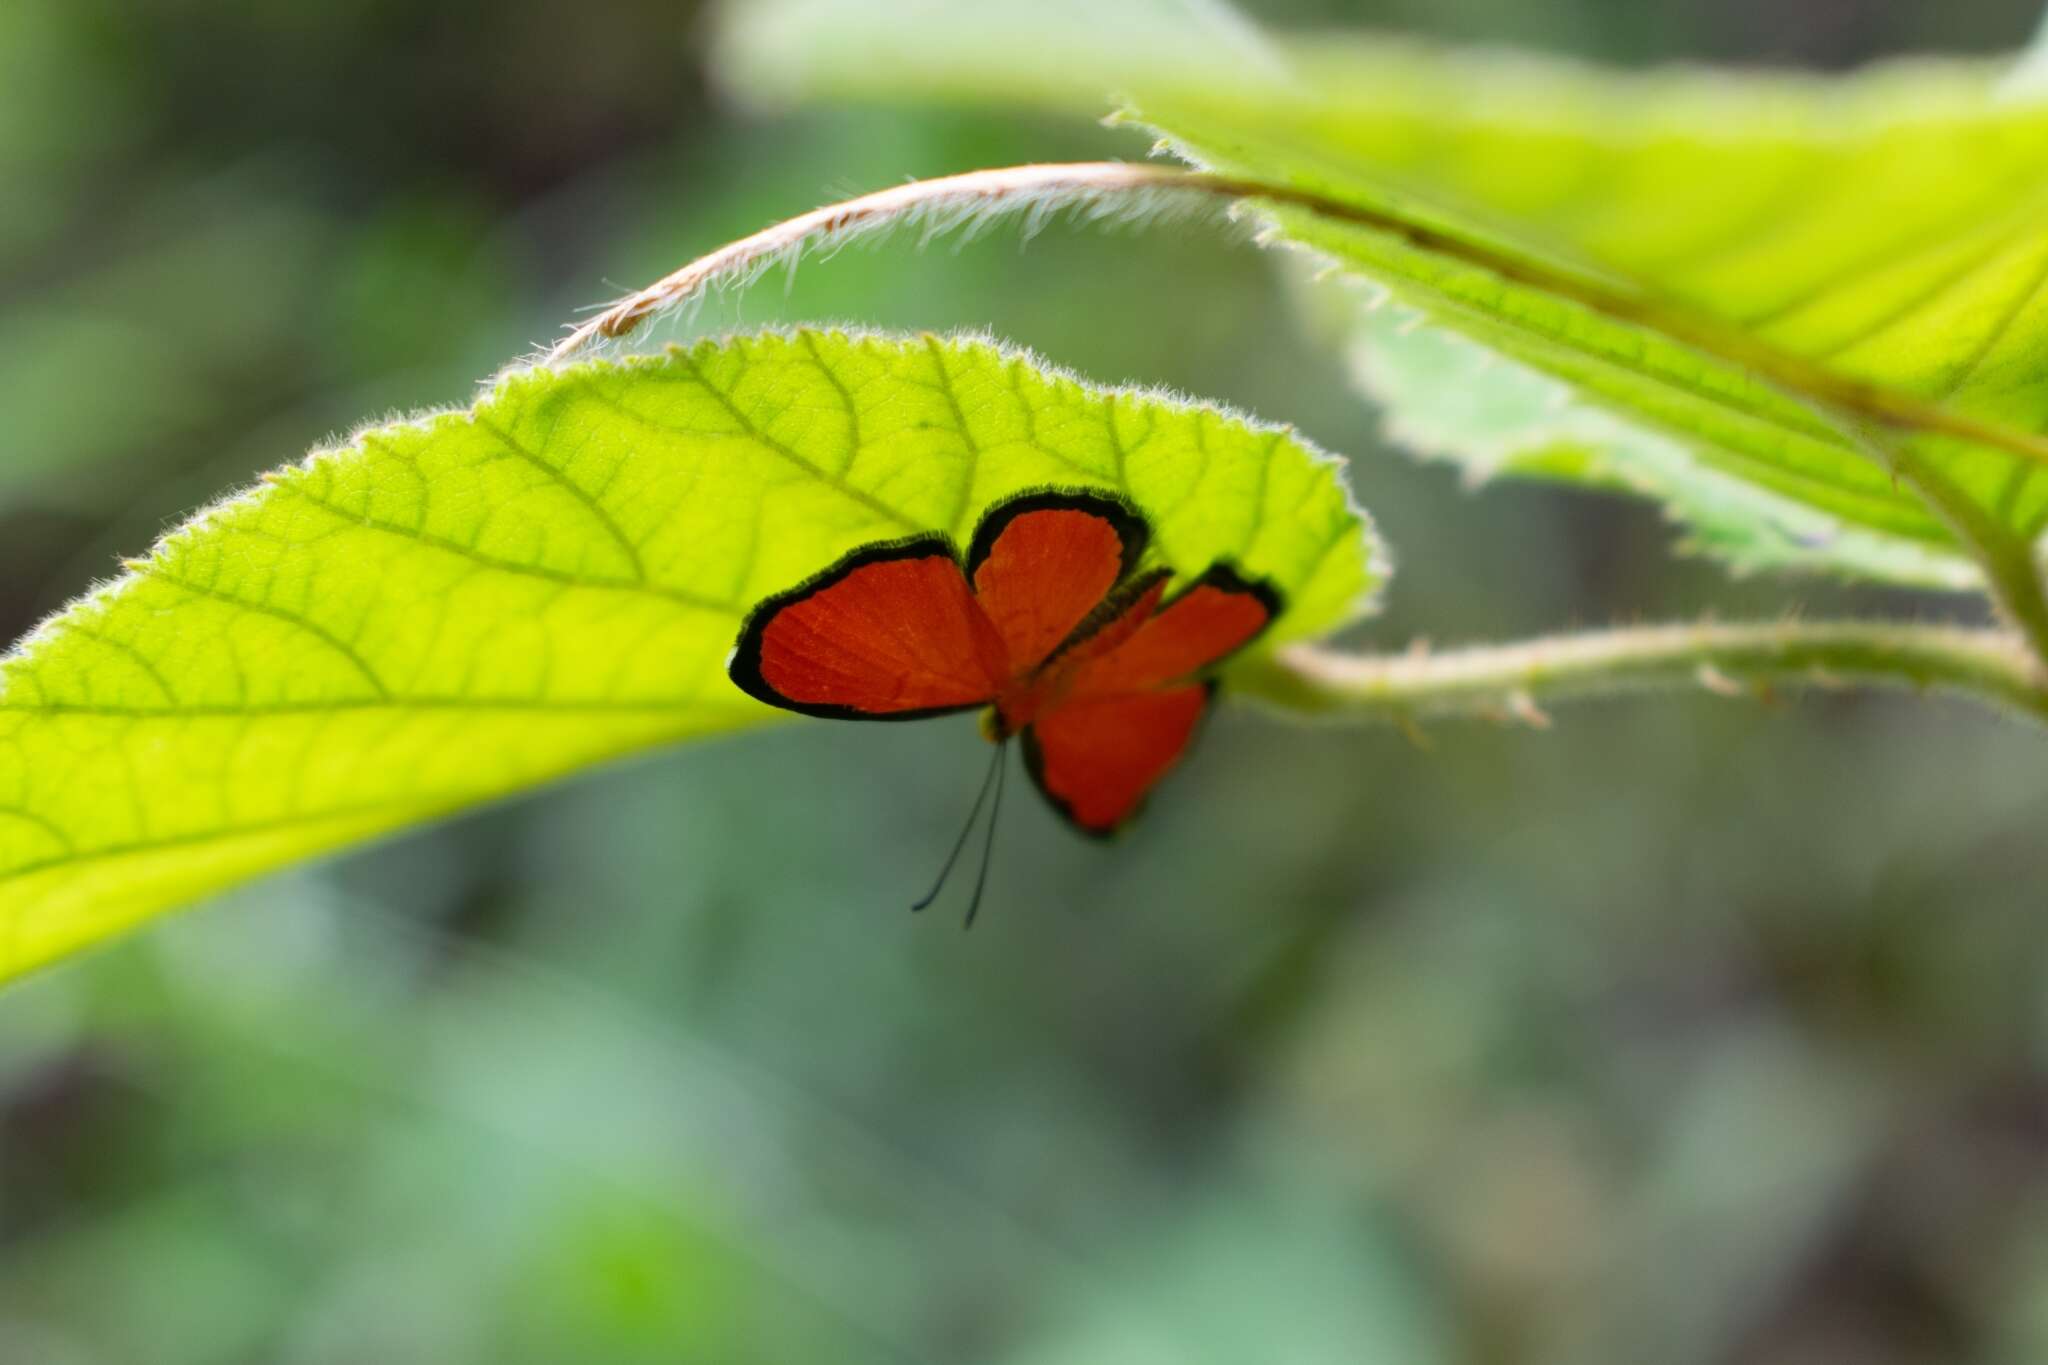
x=1046 y=621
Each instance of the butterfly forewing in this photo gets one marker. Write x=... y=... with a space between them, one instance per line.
x=1198 y=628
x=892 y=632
x=1043 y=562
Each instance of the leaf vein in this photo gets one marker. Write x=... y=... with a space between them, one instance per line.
x=582 y=495
x=764 y=440
x=1989 y=343
x=640 y=586
x=313 y=628
x=128 y=651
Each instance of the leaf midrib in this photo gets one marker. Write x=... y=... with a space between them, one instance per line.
x=1791 y=373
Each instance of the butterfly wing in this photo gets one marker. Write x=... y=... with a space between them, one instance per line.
x=1130 y=707
x=1096 y=758
x=890 y=632
x=1041 y=563
x=1191 y=632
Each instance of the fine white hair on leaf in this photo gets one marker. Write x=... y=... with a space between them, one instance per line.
x=961 y=208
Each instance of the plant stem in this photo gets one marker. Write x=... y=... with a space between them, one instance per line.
x=948 y=201
x=2010 y=574
x=2009 y=569
x=962 y=199
x=1515 y=682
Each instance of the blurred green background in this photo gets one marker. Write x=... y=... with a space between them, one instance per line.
x=1690 y=1032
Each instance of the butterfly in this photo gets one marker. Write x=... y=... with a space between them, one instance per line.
x=1047 y=624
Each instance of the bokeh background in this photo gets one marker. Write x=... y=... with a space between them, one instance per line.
x=1692 y=1031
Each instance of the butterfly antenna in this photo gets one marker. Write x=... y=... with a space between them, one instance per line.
x=987 y=781
x=988 y=842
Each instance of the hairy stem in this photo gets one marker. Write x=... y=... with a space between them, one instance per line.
x=2009 y=569
x=1104 y=185
x=973 y=195
x=1515 y=682
x=2010 y=574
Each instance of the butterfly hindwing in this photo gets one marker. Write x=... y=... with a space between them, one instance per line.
x=1132 y=702
x=1096 y=758
x=890 y=632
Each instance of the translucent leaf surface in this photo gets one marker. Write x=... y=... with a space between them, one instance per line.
x=447 y=611
x=1735 y=261
x=1447 y=398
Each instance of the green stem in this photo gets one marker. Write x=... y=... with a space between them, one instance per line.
x=2010 y=574
x=1516 y=681
x=2009 y=569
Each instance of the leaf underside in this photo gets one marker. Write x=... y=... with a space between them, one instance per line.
x=448 y=611
x=1448 y=398
x=1779 y=248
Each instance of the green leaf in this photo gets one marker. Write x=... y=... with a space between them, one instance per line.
x=450 y=610
x=1761 y=267
x=1450 y=399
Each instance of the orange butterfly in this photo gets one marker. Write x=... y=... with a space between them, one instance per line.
x=1047 y=623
